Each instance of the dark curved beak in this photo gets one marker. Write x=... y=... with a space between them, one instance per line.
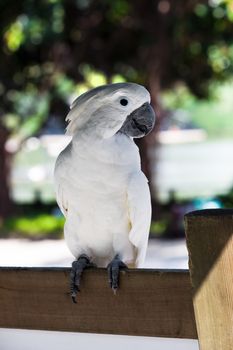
x=144 y=118
x=140 y=122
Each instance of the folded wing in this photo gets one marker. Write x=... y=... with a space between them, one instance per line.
x=139 y=206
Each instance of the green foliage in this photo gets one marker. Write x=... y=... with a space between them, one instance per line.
x=213 y=115
x=46 y=226
x=34 y=23
x=63 y=86
x=28 y=113
x=158 y=228
x=14 y=36
x=37 y=226
x=118 y=10
x=179 y=97
x=227 y=199
x=54 y=49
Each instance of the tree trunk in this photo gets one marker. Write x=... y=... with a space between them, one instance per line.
x=148 y=146
x=152 y=146
x=156 y=61
x=5 y=201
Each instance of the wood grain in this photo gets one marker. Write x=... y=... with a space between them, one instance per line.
x=210 y=244
x=148 y=303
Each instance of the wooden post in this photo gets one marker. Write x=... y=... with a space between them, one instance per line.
x=210 y=244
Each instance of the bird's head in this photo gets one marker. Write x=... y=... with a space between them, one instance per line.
x=113 y=108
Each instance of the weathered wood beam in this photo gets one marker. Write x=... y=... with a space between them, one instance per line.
x=210 y=244
x=149 y=302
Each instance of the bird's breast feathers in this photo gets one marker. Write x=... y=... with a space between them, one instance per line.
x=93 y=181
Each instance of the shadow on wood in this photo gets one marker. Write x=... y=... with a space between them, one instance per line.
x=210 y=245
x=208 y=233
x=149 y=302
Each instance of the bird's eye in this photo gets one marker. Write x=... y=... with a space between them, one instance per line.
x=124 y=102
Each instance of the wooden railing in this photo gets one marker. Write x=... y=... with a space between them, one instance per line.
x=149 y=302
x=156 y=303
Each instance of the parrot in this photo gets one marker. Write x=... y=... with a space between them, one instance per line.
x=100 y=187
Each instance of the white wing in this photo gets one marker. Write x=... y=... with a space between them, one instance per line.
x=139 y=204
x=62 y=203
x=60 y=174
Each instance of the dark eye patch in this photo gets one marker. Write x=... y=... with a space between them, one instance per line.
x=124 y=102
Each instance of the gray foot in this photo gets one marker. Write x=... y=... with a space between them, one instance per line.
x=113 y=272
x=78 y=266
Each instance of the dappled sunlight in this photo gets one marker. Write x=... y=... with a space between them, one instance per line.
x=217 y=281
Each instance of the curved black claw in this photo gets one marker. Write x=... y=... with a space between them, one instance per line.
x=113 y=272
x=77 y=268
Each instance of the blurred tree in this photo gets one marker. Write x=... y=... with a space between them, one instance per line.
x=50 y=46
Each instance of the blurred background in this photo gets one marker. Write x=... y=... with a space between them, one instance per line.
x=54 y=50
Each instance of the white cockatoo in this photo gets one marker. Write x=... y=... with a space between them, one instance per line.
x=100 y=187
